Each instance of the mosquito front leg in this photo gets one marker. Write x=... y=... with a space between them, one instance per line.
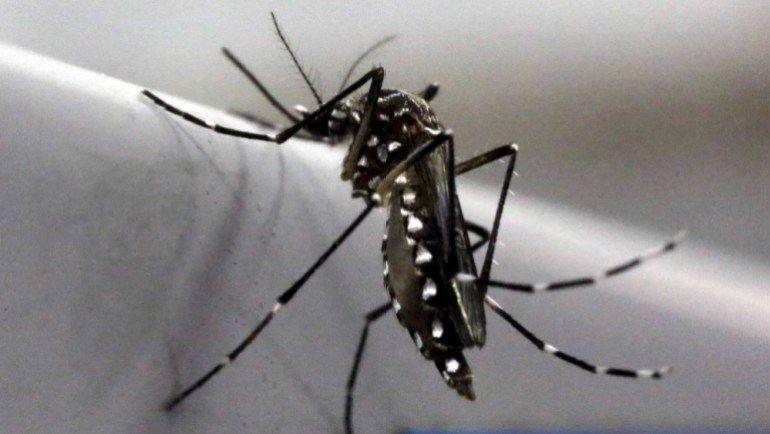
x=283 y=135
x=204 y=123
x=630 y=264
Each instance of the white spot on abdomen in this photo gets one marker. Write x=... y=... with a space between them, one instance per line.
x=423 y=256
x=413 y=224
x=429 y=289
x=437 y=329
x=409 y=197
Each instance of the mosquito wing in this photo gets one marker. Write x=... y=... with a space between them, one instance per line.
x=466 y=306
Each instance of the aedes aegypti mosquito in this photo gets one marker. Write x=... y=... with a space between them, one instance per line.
x=402 y=159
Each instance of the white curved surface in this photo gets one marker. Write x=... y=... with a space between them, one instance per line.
x=137 y=249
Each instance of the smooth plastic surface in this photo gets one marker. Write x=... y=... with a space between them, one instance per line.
x=137 y=249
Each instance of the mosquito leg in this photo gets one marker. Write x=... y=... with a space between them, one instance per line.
x=485 y=158
x=376 y=75
x=473 y=163
x=363 y=55
x=502 y=151
x=452 y=202
x=203 y=123
x=429 y=92
x=282 y=300
x=372 y=316
x=479 y=231
x=667 y=247
x=572 y=360
x=264 y=123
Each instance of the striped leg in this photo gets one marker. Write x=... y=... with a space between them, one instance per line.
x=592 y=280
x=376 y=75
x=204 y=123
x=282 y=300
x=572 y=360
x=370 y=318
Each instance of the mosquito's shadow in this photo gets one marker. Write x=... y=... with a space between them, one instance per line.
x=240 y=220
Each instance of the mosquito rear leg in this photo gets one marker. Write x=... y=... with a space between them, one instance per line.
x=370 y=317
x=572 y=360
x=579 y=282
x=625 y=266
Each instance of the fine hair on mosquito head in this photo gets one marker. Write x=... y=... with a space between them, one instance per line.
x=340 y=121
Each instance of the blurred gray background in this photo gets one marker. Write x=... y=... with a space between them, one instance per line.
x=653 y=113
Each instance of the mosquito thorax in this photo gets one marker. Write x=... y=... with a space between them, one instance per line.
x=400 y=122
x=341 y=120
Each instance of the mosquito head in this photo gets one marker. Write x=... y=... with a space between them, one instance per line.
x=332 y=126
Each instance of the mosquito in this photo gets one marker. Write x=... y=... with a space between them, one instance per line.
x=402 y=159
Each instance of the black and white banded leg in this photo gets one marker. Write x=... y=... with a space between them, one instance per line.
x=630 y=264
x=484 y=279
x=376 y=76
x=281 y=301
x=572 y=360
x=370 y=317
x=486 y=269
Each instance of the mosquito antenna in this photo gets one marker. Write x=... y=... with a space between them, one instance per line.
x=363 y=55
x=294 y=59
